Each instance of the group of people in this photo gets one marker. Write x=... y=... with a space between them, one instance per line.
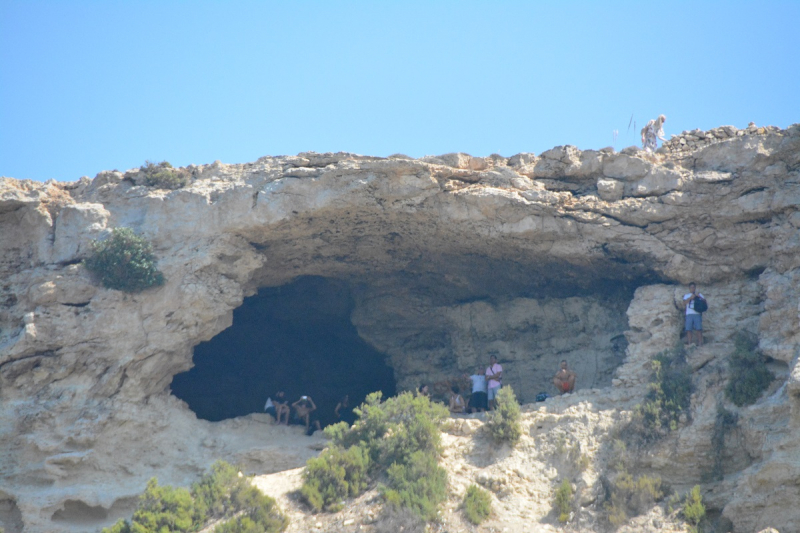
x=486 y=383
x=304 y=409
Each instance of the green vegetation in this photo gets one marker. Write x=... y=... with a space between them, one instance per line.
x=563 y=501
x=398 y=439
x=477 y=504
x=335 y=475
x=220 y=494
x=628 y=496
x=668 y=398
x=693 y=509
x=124 y=262
x=419 y=484
x=749 y=375
x=504 y=422
x=724 y=423
x=163 y=176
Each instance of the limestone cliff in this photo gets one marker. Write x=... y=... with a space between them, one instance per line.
x=576 y=254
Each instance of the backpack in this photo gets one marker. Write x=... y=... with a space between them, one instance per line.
x=700 y=305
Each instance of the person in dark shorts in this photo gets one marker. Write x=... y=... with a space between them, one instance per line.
x=478 y=401
x=281 y=405
x=343 y=412
x=302 y=414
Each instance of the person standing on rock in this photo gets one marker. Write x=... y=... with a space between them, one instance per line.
x=478 y=402
x=653 y=131
x=694 y=320
x=494 y=374
x=564 y=380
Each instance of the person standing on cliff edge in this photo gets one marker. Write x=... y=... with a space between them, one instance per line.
x=653 y=131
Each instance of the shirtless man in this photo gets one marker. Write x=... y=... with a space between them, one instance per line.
x=564 y=380
x=303 y=409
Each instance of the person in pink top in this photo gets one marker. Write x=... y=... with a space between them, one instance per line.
x=494 y=375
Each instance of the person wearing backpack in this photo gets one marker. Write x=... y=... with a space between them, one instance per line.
x=695 y=305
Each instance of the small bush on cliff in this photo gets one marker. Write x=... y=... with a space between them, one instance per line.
x=563 y=501
x=668 y=398
x=693 y=509
x=749 y=375
x=220 y=494
x=333 y=476
x=627 y=496
x=399 y=438
x=477 y=504
x=504 y=422
x=161 y=508
x=418 y=484
x=124 y=262
x=163 y=176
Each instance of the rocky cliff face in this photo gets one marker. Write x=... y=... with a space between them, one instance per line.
x=569 y=254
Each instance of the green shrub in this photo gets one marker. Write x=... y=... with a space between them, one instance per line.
x=693 y=509
x=163 y=176
x=504 y=422
x=335 y=475
x=477 y=504
x=668 y=398
x=161 y=508
x=399 y=437
x=749 y=375
x=124 y=262
x=392 y=430
x=563 y=501
x=219 y=494
x=394 y=520
x=256 y=513
x=419 y=485
x=628 y=496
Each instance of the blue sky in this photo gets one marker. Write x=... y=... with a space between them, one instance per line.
x=90 y=86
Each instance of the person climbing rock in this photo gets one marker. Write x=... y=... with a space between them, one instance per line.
x=694 y=320
x=494 y=374
x=564 y=380
x=653 y=131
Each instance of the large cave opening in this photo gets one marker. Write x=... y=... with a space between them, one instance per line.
x=297 y=338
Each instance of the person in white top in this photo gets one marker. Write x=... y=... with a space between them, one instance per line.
x=478 y=402
x=653 y=131
x=694 y=320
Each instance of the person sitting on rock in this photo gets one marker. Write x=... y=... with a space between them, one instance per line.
x=694 y=320
x=653 y=131
x=564 y=380
x=342 y=411
x=457 y=405
x=478 y=402
x=281 y=405
x=302 y=412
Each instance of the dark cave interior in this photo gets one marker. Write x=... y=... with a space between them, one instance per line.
x=297 y=338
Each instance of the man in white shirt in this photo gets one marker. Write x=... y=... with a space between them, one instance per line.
x=694 y=320
x=478 y=402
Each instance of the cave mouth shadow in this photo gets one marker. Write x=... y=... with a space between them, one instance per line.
x=297 y=338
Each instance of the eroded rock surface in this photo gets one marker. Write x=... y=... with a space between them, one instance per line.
x=569 y=254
